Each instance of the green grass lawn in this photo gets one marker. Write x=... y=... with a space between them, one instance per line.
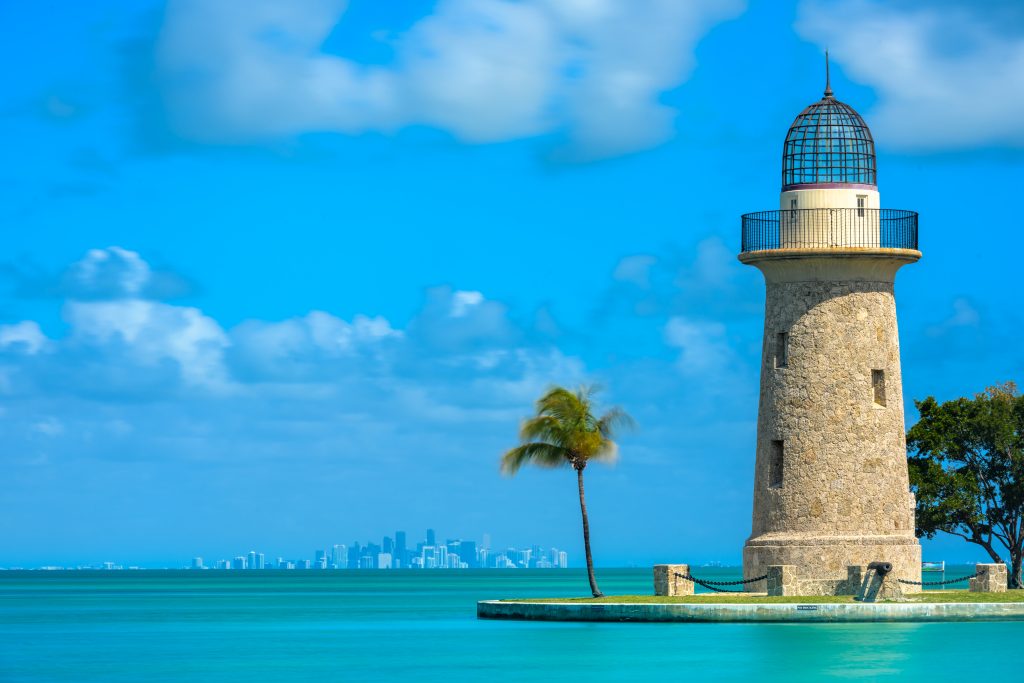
x=721 y=598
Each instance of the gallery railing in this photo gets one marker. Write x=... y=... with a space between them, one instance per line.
x=829 y=229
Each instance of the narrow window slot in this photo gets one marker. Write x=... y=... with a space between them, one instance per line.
x=878 y=387
x=775 y=465
x=862 y=200
x=781 y=350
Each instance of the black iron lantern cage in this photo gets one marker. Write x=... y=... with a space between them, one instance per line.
x=828 y=144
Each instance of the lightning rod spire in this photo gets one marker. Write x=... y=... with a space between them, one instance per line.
x=828 y=78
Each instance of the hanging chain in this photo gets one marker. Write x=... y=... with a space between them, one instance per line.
x=714 y=585
x=944 y=582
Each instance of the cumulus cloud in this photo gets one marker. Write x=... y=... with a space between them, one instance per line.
x=453 y=319
x=107 y=273
x=964 y=315
x=635 y=269
x=314 y=347
x=948 y=75
x=703 y=346
x=101 y=274
x=25 y=336
x=149 y=334
x=460 y=348
x=702 y=278
x=484 y=70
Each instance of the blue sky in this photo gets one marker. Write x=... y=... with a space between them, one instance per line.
x=282 y=275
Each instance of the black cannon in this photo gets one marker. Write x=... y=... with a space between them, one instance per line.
x=882 y=568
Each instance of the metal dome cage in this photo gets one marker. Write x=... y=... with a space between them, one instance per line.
x=828 y=143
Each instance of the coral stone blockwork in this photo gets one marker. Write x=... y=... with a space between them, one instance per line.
x=992 y=578
x=668 y=580
x=831 y=486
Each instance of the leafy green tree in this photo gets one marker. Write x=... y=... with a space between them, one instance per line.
x=566 y=433
x=966 y=461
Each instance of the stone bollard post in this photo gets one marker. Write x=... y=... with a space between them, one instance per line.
x=666 y=581
x=994 y=579
x=782 y=579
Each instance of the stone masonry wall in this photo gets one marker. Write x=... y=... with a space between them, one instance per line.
x=843 y=498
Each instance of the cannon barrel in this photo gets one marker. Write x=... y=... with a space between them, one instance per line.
x=882 y=568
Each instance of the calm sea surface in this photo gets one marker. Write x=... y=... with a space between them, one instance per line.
x=422 y=626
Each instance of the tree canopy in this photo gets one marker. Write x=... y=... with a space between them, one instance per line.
x=565 y=432
x=966 y=461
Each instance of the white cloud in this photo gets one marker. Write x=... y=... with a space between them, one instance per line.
x=149 y=333
x=703 y=347
x=462 y=319
x=49 y=426
x=460 y=349
x=307 y=348
x=964 y=315
x=462 y=302
x=948 y=76
x=107 y=273
x=635 y=269
x=25 y=336
x=485 y=70
x=482 y=69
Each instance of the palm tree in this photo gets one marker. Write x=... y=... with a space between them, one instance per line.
x=565 y=432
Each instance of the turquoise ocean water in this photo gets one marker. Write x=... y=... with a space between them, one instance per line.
x=422 y=626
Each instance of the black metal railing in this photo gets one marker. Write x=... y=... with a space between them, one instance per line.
x=829 y=229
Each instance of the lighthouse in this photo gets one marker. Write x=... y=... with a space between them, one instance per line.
x=831 y=489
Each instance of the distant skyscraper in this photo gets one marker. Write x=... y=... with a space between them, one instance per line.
x=238 y=563
x=353 y=556
x=431 y=538
x=339 y=556
x=384 y=561
x=454 y=547
x=486 y=544
x=251 y=563
x=467 y=553
x=302 y=564
x=563 y=559
x=401 y=550
x=388 y=545
x=223 y=564
x=197 y=563
x=261 y=561
x=321 y=559
x=441 y=556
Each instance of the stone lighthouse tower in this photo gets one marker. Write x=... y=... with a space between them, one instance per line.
x=830 y=480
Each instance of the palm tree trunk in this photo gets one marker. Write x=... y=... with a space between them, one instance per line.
x=586 y=538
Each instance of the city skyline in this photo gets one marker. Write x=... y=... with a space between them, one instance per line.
x=391 y=553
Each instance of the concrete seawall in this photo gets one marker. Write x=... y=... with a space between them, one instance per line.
x=733 y=613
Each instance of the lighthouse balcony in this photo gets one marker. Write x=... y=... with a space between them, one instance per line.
x=824 y=228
